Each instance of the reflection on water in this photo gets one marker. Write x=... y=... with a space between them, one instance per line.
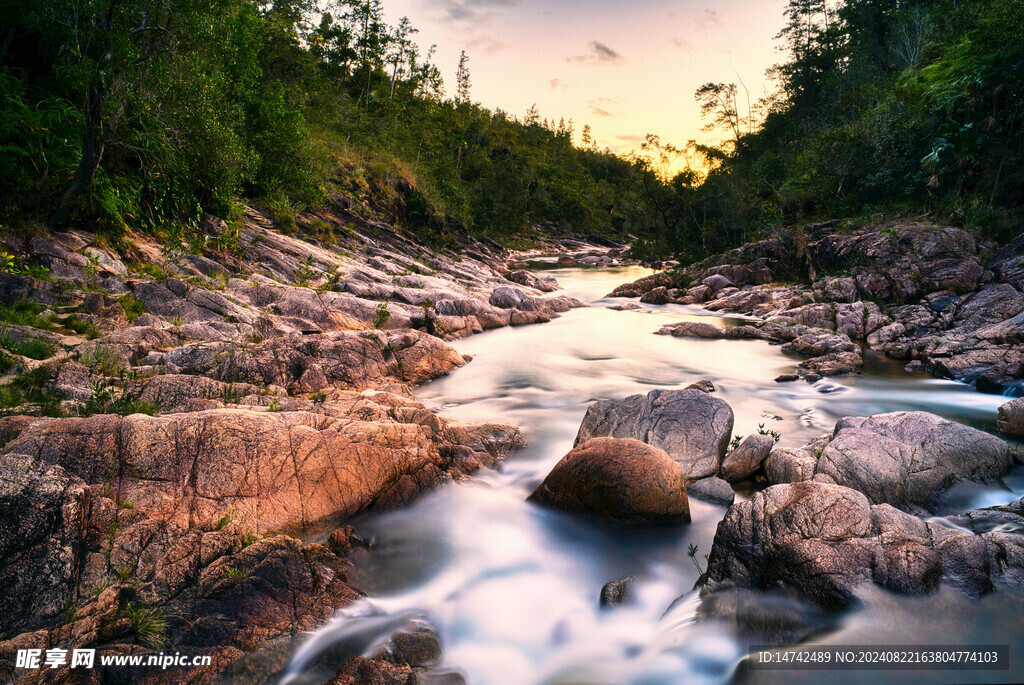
x=513 y=589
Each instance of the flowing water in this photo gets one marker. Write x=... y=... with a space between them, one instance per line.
x=512 y=589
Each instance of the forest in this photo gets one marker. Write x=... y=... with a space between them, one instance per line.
x=127 y=115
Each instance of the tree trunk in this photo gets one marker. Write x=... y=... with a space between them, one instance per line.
x=93 y=144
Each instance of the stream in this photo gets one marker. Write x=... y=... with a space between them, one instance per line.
x=512 y=589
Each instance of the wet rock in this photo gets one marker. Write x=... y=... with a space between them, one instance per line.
x=617 y=592
x=908 y=459
x=713 y=490
x=1011 y=418
x=692 y=426
x=693 y=329
x=767 y=616
x=818 y=542
x=506 y=298
x=544 y=284
x=415 y=644
x=704 y=385
x=655 y=296
x=628 y=307
x=617 y=479
x=746 y=459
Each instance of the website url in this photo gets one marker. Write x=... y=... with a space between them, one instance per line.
x=86 y=658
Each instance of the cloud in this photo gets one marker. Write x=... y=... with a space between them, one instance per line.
x=631 y=138
x=558 y=84
x=681 y=43
x=473 y=11
x=600 y=106
x=599 y=54
x=706 y=19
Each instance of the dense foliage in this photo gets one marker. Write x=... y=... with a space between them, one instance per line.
x=143 y=113
x=912 y=106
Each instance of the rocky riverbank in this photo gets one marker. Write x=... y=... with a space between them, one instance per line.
x=852 y=508
x=924 y=294
x=182 y=415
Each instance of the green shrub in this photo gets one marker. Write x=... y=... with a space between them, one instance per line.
x=34 y=348
x=104 y=360
x=133 y=309
x=383 y=315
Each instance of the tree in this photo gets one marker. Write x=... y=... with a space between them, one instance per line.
x=718 y=102
x=587 y=140
x=403 y=45
x=112 y=44
x=462 y=82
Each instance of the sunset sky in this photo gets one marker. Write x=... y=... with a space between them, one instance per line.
x=625 y=68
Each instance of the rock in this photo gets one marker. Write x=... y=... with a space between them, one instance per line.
x=785 y=465
x=359 y=670
x=73 y=381
x=628 y=307
x=692 y=426
x=274 y=471
x=566 y=260
x=1011 y=418
x=746 y=459
x=786 y=378
x=693 y=329
x=655 y=296
x=820 y=541
x=908 y=459
x=617 y=592
x=544 y=284
x=713 y=490
x=415 y=644
x=506 y=298
x=768 y=617
x=717 y=282
x=617 y=479
x=704 y=385
x=173 y=392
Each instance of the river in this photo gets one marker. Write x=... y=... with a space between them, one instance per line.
x=512 y=589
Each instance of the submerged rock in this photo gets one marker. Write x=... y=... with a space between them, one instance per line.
x=617 y=479
x=692 y=426
x=617 y=592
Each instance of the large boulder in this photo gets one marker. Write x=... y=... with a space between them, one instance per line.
x=617 y=479
x=1011 y=418
x=908 y=459
x=692 y=426
x=271 y=471
x=818 y=542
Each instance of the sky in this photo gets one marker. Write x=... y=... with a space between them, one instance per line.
x=627 y=68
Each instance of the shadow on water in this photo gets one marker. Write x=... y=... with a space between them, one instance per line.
x=513 y=589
